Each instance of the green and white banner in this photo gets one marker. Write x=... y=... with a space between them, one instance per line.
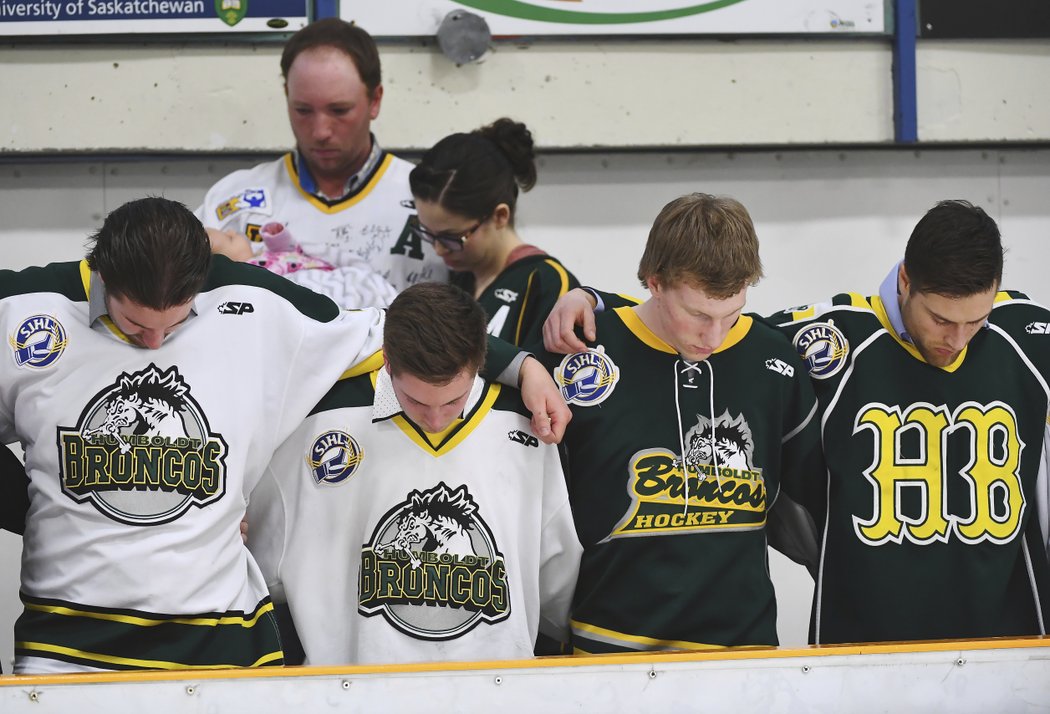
x=625 y=17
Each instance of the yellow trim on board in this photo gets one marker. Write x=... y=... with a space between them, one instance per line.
x=289 y=165
x=29 y=680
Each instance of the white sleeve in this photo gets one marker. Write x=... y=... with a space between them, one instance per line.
x=324 y=352
x=560 y=552
x=267 y=523
x=350 y=286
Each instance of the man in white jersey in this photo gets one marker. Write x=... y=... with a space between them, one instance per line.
x=412 y=517
x=340 y=195
x=142 y=446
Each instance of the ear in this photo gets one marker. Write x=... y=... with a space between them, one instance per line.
x=375 y=101
x=386 y=366
x=903 y=282
x=654 y=285
x=501 y=216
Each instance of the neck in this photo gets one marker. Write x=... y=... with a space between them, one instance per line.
x=646 y=312
x=495 y=260
x=333 y=183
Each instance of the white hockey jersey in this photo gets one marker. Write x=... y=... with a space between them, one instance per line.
x=140 y=462
x=368 y=224
x=392 y=545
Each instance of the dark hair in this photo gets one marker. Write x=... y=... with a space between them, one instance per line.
x=706 y=241
x=470 y=174
x=955 y=250
x=152 y=251
x=434 y=331
x=346 y=37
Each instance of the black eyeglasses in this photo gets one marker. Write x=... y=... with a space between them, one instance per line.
x=449 y=240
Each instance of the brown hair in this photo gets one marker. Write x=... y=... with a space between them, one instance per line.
x=470 y=174
x=434 y=331
x=152 y=251
x=955 y=250
x=706 y=241
x=346 y=37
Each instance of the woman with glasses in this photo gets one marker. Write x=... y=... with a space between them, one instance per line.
x=466 y=190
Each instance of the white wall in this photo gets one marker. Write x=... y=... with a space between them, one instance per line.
x=66 y=97
x=828 y=221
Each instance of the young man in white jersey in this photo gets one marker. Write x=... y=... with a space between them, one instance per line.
x=412 y=517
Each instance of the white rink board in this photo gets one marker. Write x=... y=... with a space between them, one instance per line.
x=978 y=677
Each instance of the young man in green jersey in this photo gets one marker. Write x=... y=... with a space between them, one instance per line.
x=690 y=419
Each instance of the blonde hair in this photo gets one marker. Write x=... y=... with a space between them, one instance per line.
x=706 y=241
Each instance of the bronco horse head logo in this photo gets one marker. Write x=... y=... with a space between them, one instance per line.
x=148 y=403
x=730 y=445
x=438 y=521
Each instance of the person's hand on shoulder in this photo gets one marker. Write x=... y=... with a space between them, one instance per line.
x=574 y=308
x=550 y=414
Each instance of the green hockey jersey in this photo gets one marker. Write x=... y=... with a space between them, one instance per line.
x=522 y=295
x=931 y=504
x=672 y=468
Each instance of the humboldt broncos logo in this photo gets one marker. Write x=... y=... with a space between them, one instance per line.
x=715 y=486
x=432 y=567
x=142 y=452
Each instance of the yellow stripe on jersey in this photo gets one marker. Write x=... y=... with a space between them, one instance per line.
x=636 y=642
x=85 y=278
x=737 y=333
x=112 y=327
x=858 y=300
x=818 y=309
x=563 y=288
x=880 y=312
x=242 y=620
x=435 y=444
x=320 y=205
x=562 y=273
x=642 y=332
x=370 y=364
x=1003 y=296
x=141 y=663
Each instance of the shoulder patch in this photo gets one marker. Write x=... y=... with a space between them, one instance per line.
x=334 y=457
x=254 y=199
x=38 y=341
x=823 y=348
x=587 y=378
